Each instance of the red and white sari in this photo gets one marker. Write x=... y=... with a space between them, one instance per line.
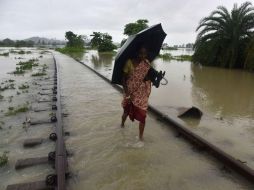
x=139 y=90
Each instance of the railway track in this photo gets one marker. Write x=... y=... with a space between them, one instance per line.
x=57 y=158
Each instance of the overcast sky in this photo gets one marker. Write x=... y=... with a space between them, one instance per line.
x=20 y=19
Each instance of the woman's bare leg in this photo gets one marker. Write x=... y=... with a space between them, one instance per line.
x=141 y=131
x=124 y=117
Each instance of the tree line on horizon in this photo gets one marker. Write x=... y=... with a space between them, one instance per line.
x=18 y=43
x=225 y=38
x=103 y=41
x=30 y=42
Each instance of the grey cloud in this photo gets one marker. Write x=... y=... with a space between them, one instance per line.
x=51 y=18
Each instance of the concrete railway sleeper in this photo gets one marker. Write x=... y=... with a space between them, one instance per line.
x=199 y=142
x=57 y=158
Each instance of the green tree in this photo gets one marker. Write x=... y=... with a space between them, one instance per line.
x=102 y=41
x=134 y=28
x=7 y=42
x=224 y=36
x=74 y=40
x=96 y=40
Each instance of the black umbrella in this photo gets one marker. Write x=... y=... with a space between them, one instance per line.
x=152 y=38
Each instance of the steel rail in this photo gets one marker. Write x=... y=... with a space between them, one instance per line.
x=60 y=154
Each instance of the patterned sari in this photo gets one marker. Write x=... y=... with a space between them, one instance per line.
x=139 y=90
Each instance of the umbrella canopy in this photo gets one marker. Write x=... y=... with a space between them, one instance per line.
x=152 y=38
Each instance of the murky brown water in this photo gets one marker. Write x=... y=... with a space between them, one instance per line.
x=226 y=98
x=108 y=157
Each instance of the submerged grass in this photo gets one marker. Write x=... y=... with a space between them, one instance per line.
x=183 y=58
x=39 y=74
x=20 y=52
x=42 y=71
x=170 y=48
x=44 y=52
x=18 y=71
x=51 y=114
x=44 y=67
x=10 y=99
x=168 y=57
x=14 y=111
x=28 y=65
x=3 y=159
x=1 y=124
x=4 y=54
x=11 y=108
x=10 y=80
x=7 y=87
x=67 y=50
x=25 y=91
x=23 y=86
x=74 y=52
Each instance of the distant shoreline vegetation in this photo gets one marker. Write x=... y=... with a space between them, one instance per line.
x=170 y=48
x=31 y=42
x=169 y=57
x=74 y=46
x=18 y=43
x=74 y=52
x=67 y=50
x=102 y=42
x=4 y=54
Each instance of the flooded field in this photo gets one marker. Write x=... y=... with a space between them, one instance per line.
x=106 y=156
x=18 y=105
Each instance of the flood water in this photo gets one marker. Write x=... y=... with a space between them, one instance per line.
x=109 y=157
x=226 y=97
x=106 y=156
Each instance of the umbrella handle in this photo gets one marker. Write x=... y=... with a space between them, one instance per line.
x=166 y=81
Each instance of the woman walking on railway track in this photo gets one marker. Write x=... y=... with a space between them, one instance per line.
x=136 y=74
x=136 y=89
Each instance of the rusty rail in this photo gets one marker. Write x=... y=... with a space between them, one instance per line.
x=195 y=139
